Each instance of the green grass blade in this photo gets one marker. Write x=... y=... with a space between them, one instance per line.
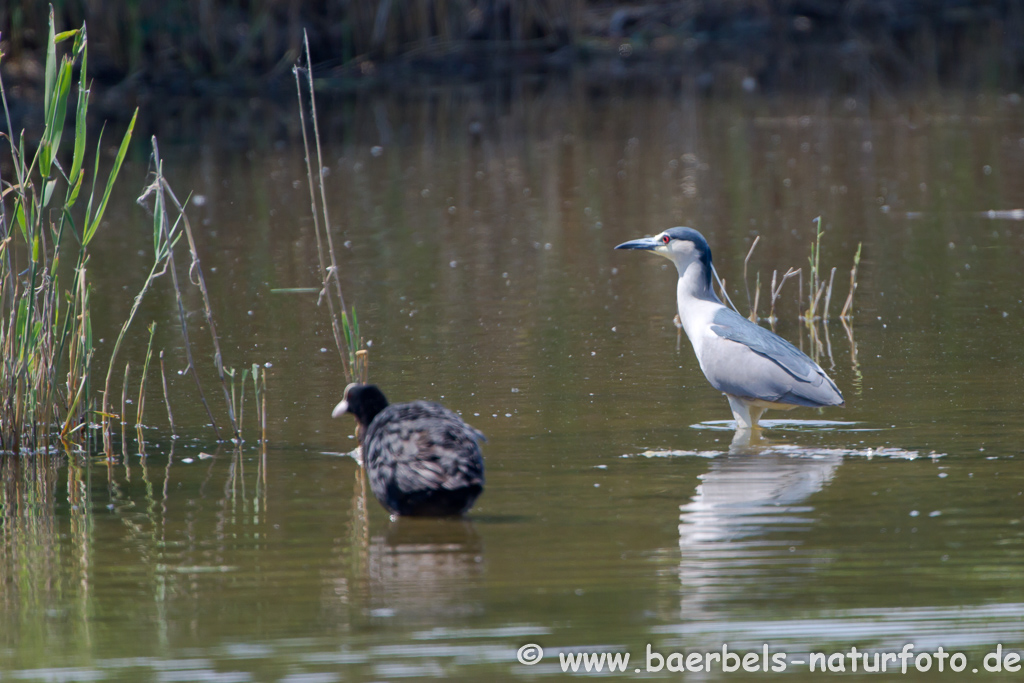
x=91 y=229
x=80 y=127
x=48 y=188
x=50 y=72
x=45 y=154
x=70 y=219
x=21 y=325
x=158 y=216
x=345 y=328
x=61 y=37
x=95 y=175
x=73 y=196
x=22 y=219
x=55 y=123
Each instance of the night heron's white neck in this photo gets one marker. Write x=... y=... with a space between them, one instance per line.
x=694 y=283
x=697 y=303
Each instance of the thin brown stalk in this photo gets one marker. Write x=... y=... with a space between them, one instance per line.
x=196 y=271
x=241 y=408
x=721 y=287
x=124 y=404
x=140 y=408
x=328 y=274
x=79 y=359
x=757 y=299
x=259 y=385
x=167 y=397
x=263 y=430
x=812 y=311
x=828 y=296
x=828 y=344
x=799 y=290
x=746 y=261
x=848 y=306
x=159 y=267
x=853 y=345
x=777 y=291
x=362 y=374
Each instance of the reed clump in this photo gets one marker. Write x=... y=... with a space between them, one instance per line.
x=819 y=290
x=46 y=339
x=46 y=335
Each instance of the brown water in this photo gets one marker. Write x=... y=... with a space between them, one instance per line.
x=476 y=234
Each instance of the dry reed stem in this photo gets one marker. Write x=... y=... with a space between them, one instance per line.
x=263 y=434
x=124 y=403
x=847 y=311
x=828 y=345
x=853 y=344
x=777 y=291
x=153 y=274
x=828 y=295
x=330 y=273
x=757 y=299
x=799 y=291
x=812 y=312
x=167 y=397
x=196 y=272
x=241 y=408
x=140 y=408
x=362 y=374
x=753 y=316
x=721 y=287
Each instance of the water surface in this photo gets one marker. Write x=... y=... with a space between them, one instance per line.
x=475 y=231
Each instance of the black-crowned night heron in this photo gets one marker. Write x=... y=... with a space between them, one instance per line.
x=421 y=458
x=755 y=368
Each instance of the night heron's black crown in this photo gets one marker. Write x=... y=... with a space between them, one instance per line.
x=703 y=250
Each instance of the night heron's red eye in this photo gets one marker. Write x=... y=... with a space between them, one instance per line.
x=665 y=239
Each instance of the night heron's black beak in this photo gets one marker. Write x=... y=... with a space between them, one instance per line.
x=648 y=243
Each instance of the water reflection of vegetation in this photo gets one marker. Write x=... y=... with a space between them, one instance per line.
x=44 y=569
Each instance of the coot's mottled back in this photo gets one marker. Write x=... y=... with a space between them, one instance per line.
x=421 y=458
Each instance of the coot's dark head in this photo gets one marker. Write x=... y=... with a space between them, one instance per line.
x=364 y=401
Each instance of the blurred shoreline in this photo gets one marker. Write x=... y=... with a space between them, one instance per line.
x=197 y=47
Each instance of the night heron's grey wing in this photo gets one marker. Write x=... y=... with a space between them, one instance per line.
x=762 y=365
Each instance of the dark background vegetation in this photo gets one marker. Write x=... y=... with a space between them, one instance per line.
x=191 y=47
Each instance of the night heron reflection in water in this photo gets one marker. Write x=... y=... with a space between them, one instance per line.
x=755 y=368
x=421 y=458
